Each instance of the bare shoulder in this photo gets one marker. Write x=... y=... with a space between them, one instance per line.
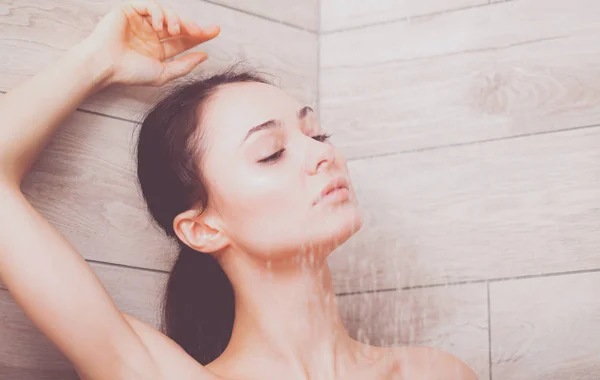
x=430 y=363
x=172 y=360
x=423 y=363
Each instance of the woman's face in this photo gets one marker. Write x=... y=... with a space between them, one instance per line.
x=266 y=208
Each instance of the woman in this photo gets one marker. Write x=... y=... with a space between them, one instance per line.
x=207 y=137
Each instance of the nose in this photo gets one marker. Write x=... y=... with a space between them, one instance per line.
x=320 y=154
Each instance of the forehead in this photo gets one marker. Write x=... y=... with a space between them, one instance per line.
x=237 y=107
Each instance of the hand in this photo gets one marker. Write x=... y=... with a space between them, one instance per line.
x=136 y=38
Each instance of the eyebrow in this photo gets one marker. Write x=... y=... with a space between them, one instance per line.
x=273 y=123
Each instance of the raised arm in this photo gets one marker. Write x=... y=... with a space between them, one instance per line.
x=49 y=280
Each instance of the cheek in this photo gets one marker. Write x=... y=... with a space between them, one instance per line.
x=270 y=226
x=273 y=213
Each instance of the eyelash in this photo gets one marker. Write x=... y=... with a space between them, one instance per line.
x=277 y=155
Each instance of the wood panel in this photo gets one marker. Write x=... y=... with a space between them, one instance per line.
x=84 y=182
x=303 y=14
x=34 y=35
x=462 y=77
x=469 y=30
x=342 y=14
x=546 y=328
x=499 y=209
x=453 y=319
x=25 y=353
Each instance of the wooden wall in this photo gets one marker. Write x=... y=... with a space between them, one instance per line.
x=473 y=133
x=472 y=136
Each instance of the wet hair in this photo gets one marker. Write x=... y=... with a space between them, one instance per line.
x=197 y=310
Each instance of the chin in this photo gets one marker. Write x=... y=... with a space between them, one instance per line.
x=338 y=232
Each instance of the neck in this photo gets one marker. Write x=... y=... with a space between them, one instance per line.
x=287 y=318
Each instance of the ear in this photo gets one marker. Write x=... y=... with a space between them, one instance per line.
x=200 y=232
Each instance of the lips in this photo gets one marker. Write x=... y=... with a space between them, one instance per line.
x=336 y=183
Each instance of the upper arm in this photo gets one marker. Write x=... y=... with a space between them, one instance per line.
x=63 y=297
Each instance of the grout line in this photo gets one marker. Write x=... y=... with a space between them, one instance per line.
x=466 y=282
x=105 y=263
x=409 y=18
x=477 y=50
x=319 y=16
x=96 y=113
x=475 y=142
x=489 y=330
x=319 y=61
x=106 y=115
x=261 y=16
x=118 y=265
x=385 y=290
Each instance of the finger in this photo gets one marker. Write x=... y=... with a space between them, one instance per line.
x=189 y=38
x=173 y=24
x=192 y=35
x=133 y=16
x=162 y=34
x=191 y=28
x=150 y=9
x=177 y=45
x=181 y=66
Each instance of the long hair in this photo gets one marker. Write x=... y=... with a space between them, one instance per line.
x=198 y=305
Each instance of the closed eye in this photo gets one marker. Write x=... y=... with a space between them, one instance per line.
x=276 y=156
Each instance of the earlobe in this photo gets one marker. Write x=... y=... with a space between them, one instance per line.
x=212 y=242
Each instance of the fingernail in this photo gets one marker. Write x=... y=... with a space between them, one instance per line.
x=176 y=27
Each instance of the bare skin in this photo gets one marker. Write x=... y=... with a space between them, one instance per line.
x=368 y=362
x=277 y=276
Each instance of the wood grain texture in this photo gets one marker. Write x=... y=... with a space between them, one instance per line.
x=35 y=34
x=462 y=77
x=342 y=14
x=499 y=209
x=469 y=30
x=546 y=328
x=453 y=319
x=303 y=14
x=84 y=182
x=25 y=353
x=67 y=373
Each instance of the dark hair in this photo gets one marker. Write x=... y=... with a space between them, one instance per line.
x=198 y=305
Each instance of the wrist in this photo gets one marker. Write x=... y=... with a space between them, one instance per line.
x=98 y=67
